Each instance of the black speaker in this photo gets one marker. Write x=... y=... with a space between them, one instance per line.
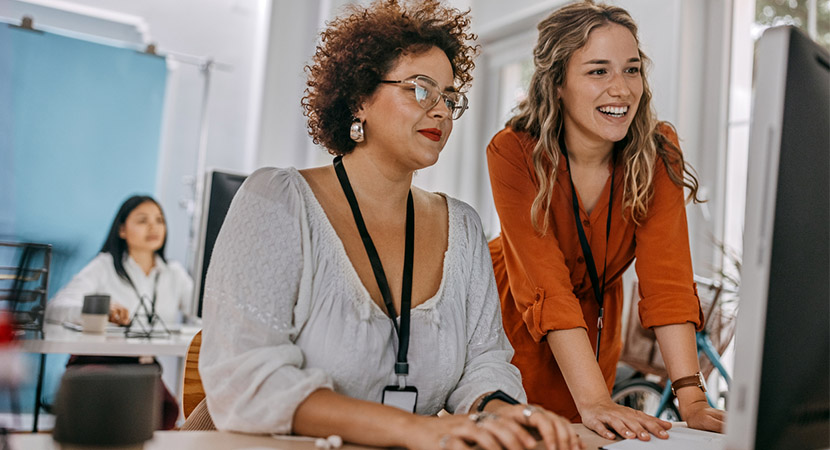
x=108 y=405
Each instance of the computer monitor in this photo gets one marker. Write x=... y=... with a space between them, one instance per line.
x=780 y=397
x=220 y=187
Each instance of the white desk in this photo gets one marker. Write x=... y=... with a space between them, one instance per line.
x=217 y=440
x=58 y=339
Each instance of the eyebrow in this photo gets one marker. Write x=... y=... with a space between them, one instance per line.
x=605 y=61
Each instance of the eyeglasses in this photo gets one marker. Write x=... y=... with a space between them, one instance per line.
x=428 y=94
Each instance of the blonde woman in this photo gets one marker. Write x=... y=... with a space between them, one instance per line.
x=585 y=181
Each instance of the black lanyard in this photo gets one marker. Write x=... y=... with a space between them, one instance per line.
x=401 y=365
x=599 y=290
x=152 y=313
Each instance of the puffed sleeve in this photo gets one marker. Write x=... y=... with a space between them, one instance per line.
x=539 y=278
x=487 y=365
x=256 y=300
x=663 y=258
x=68 y=302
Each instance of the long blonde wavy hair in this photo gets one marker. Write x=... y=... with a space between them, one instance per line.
x=540 y=114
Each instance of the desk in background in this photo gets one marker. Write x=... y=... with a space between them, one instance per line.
x=57 y=339
x=218 y=440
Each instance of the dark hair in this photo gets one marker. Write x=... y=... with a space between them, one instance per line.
x=359 y=48
x=115 y=245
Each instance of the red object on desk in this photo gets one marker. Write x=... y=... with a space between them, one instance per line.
x=6 y=329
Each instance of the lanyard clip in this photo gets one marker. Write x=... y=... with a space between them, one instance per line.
x=599 y=319
x=402 y=370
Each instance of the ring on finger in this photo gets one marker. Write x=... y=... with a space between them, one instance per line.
x=443 y=442
x=528 y=411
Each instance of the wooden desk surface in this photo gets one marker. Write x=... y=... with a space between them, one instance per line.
x=217 y=440
x=58 y=339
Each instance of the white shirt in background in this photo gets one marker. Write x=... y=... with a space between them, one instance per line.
x=99 y=277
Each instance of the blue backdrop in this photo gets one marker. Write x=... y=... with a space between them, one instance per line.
x=80 y=126
x=84 y=130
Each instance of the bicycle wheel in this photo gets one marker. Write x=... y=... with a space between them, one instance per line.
x=644 y=396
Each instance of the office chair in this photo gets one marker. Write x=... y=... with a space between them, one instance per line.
x=194 y=405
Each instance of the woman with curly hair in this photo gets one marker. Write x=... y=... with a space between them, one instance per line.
x=342 y=300
x=585 y=181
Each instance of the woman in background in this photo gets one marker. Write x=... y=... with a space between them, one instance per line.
x=585 y=180
x=320 y=277
x=130 y=267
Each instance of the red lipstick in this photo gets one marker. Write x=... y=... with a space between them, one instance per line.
x=433 y=134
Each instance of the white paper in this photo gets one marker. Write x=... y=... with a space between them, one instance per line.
x=680 y=438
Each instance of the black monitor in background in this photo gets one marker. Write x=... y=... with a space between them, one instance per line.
x=220 y=187
x=780 y=397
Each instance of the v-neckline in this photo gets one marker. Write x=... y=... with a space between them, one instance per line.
x=602 y=204
x=344 y=257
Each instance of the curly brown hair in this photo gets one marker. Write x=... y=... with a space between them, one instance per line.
x=360 y=47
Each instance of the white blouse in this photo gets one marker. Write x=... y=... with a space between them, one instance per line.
x=286 y=314
x=99 y=277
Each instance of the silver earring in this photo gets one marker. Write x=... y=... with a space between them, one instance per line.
x=356 y=131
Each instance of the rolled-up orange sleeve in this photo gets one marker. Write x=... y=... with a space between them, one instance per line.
x=543 y=281
x=663 y=259
x=539 y=278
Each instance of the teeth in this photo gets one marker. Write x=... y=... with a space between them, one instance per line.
x=616 y=111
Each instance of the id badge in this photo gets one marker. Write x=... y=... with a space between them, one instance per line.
x=404 y=398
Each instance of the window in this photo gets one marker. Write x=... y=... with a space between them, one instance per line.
x=811 y=16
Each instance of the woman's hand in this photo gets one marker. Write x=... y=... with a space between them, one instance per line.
x=504 y=429
x=701 y=416
x=606 y=417
x=119 y=314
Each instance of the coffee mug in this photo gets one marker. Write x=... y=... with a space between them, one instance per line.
x=95 y=313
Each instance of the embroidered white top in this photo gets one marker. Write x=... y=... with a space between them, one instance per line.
x=286 y=314
x=99 y=277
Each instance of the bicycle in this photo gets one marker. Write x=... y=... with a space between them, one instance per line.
x=634 y=390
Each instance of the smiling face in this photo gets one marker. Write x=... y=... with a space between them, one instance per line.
x=397 y=127
x=144 y=230
x=603 y=86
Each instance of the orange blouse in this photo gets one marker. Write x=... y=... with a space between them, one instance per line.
x=543 y=281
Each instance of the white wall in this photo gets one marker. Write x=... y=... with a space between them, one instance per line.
x=231 y=32
x=283 y=139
